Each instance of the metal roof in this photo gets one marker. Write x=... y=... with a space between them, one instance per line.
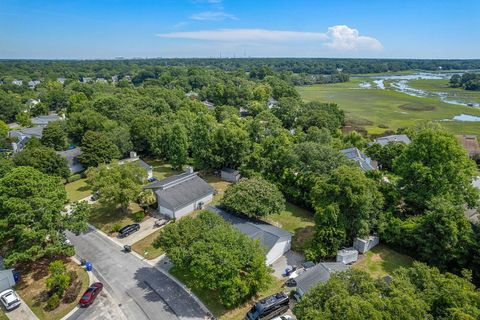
x=319 y=273
x=383 y=141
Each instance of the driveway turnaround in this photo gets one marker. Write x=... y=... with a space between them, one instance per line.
x=140 y=290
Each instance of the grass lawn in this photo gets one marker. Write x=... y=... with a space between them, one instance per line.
x=77 y=190
x=211 y=300
x=32 y=289
x=298 y=221
x=161 y=169
x=381 y=261
x=3 y=316
x=145 y=245
x=378 y=110
x=219 y=185
x=105 y=217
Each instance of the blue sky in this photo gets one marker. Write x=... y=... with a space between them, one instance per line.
x=89 y=29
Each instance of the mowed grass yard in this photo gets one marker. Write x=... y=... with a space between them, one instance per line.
x=77 y=190
x=145 y=246
x=378 y=110
x=105 y=217
x=381 y=261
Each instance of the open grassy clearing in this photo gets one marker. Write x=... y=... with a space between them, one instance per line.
x=211 y=299
x=219 y=185
x=379 y=110
x=298 y=221
x=3 y=316
x=145 y=246
x=381 y=261
x=32 y=288
x=457 y=94
x=161 y=169
x=104 y=217
x=77 y=190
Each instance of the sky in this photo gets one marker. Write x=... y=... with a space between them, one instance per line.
x=106 y=29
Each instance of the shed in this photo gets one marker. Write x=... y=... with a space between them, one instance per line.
x=231 y=175
x=319 y=273
x=364 y=245
x=179 y=195
x=347 y=255
x=274 y=240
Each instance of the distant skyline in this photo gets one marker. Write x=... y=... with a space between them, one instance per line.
x=101 y=29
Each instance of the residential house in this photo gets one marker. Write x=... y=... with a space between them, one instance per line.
x=20 y=137
x=179 y=195
x=86 y=79
x=71 y=156
x=134 y=158
x=383 y=141
x=274 y=240
x=101 y=80
x=114 y=78
x=470 y=143
x=17 y=82
x=229 y=174
x=61 y=80
x=208 y=104
x=44 y=120
x=7 y=279
x=271 y=102
x=321 y=272
x=364 y=162
x=33 y=83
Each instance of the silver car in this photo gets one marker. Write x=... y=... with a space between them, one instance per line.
x=10 y=300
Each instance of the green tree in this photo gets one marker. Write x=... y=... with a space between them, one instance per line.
x=10 y=106
x=217 y=257
x=203 y=142
x=176 y=145
x=32 y=225
x=320 y=115
x=435 y=165
x=232 y=144
x=3 y=133
x=117 y=184
x=59 y=279
x=254 y=197
x=54 y=136
x=97 y=148
x=23 y=118
x=44 y=159
x=146 y=198
x=287 y=109
x=386 y=155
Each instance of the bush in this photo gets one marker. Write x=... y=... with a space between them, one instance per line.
x=138 y=216
x=116 y=227
x=53 y=302
x=74 y=177
x=59 y=278
x=72 y=292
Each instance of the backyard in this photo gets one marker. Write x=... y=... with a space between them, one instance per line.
x=77 y=190
x=145 y=246
x=32 y=288
x=110 y=217
x=381 y=261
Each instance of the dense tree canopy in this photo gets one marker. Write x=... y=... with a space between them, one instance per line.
x=97 y=148
x=54 y=136
x=43 y=159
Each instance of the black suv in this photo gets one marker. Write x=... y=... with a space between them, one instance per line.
x=127 y=230
x=269 y=307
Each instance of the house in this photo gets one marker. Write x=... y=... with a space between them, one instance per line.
x=179 y=195
x=364 y=162
x=44 y=120
x=208 y=104
x=274 y=240
x=101 y=80
x=32 y=102
x=114 y=78
x=22 y=136
x=71 y=156
x=17 y=82
x=383 y=141
x=33 y=83
x=315 y=275
x=86 y=79
x=271 y=102
x=136 y=159
x=7 y=279
x=229 y=174
x=470 y=143
x=191 y=95
x=61 y=80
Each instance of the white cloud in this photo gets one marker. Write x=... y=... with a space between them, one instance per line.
x=212 y=16
x=344 y=38
x=337 y=38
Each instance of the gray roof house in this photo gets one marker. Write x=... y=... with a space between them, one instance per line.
x=71 y=156
x=317 y=274
x=136 y=159
x=179 y=195
x=44 y=120
x=383 y=141
x=364 y=162
x=274 y=240
x=23 y=135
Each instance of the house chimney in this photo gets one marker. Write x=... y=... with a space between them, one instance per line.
x=189 y=170
x=133 y=154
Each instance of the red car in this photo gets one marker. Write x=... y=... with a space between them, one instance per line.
x=90 y=295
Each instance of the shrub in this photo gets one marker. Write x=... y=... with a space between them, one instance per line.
x=74 y=177
x=72 y=292
x=53 y=302
x=116 y=227
x=59 y=278
x=138 y=216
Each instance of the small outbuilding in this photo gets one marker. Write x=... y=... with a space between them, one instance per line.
x=364 y=245
x=347 y=255
x=315 y=275
x=231 y=175
x=179 y=195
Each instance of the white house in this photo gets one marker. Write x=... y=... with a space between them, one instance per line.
x=179 y=195
x=61 y=80
x=17 y=82
x=33 y=83
x=274 y=240
x=136 y=159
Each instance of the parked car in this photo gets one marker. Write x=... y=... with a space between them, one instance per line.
x=269 y=307
x=10 y=300
x=152 y=179
x=95 y=196
x=128 y=230
x=90 y=295
x=284 y=317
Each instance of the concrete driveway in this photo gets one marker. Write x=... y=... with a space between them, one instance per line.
x=23 y=312
x=147 y=227
x=290 y=258
x=140 y=290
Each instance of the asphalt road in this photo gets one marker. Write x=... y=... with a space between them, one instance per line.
x=137 y=290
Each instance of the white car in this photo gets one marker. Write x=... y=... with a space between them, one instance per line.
x=9 y=299
x=284 y=317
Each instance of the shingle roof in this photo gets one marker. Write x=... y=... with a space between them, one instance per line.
x=383 y=141
x=361 y=159
x=177 y=191
x=320 y=273
x=267 y=234
x=230 y=170
x=44 y=120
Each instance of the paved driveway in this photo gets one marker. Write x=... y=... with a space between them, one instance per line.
x=22 y=312
x=140 y=290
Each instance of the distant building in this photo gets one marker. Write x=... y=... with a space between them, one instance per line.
x=32 y=102
x=179 y=195
x=470 y=143
x=364 y=162
x=71 y=156
x=243 y=112
x=229 y=174
x=101 y=80
x=20 y=137
x=208 y=104
x=86 y=79
x=134 y=158
x=383 y=141
x=271 y=102
x=44 y=120
x=61 y=80
x=33 y=83
x=114 y=78
x=17 y=82
x=313 y=276
x=128 y=78
x=192 y=95
x=275 y=241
